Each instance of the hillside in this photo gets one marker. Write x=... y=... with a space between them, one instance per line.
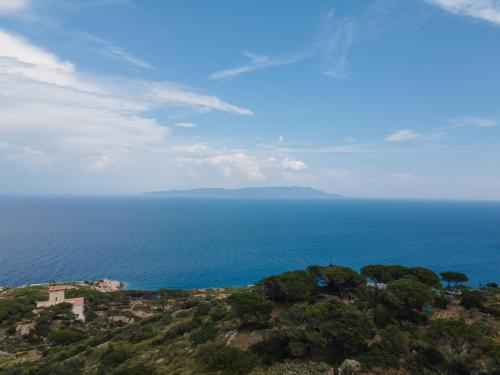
x=280 y=192
x=319 y=321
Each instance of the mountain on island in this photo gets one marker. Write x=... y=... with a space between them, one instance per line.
x=280 y=192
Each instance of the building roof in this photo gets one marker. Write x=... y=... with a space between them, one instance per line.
x=53 y=288
x=79 y=301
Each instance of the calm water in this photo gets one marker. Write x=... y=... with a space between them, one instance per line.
x=184 y=243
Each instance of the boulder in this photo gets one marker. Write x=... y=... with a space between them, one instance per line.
x=350 y=366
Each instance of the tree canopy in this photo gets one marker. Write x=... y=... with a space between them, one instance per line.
x=453 y=277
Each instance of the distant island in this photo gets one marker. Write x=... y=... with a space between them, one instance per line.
x=276 y=192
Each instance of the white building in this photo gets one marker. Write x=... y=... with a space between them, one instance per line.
x=56 y=296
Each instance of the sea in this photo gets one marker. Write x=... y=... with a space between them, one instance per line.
x=158 y=242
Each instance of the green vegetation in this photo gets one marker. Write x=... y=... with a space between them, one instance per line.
x=321 y=320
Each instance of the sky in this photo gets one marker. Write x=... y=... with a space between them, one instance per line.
x=366 y=98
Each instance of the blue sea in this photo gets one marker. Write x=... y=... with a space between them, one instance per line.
x=152 y=242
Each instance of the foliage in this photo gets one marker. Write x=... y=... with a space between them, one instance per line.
x=338 y=279
x=288 y=287
x=228 y=360
x=112 y=357
x=194 y=331
x=302 y=368
x=453 y=335
x=250 y=307
x=471 y=300
x=453 y=277
x=206 y=332
x=426 y=276
x=65 y=336
x=333 y=326
x=407 y=297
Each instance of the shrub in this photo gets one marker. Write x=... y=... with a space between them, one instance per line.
x=288 y=287
x=180 y=329
x=141 y=333
x=471 y=301
x=228 y=360
x=202 y=309
x=205 y=333
x=112 y=357
x=64 y=336
x=250 y=307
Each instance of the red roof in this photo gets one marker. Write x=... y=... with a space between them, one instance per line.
x=79 y=301
x=53 y=288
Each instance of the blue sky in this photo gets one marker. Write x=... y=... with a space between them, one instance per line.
x=382 y=98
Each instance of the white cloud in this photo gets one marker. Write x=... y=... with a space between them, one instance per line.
x=114 y=52
x=257 y=62
x=478 y=122
x=293 y=165
x=332 y=45
x=192 y=149
x=281 y=139
x=228 y=164
x=402 y=135
x=186 y=125
x=335 y=41
x=487 y=10
x=7 y=6
x=404 y=177
x=96 y=121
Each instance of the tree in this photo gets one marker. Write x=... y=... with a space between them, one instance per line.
x=374 y=272
x=288 y=287
x=250 y=307
x=381 y=273
x=65 y=336
x=453 y=277
x=228 y=360
x=453 y=335
x=333 y=326
x=426 y=276
x=407 y=296
x=339 y=279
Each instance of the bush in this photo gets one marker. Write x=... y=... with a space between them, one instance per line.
x=112 y=357
x=181 y=328
x=288 y=287
x=141 y=333
x=441 y=302
x=202 y=309
x=471 y=301
x=65 y=336
x=228 y=360
x=139 y=369
x=205 y=333
x=250 y=307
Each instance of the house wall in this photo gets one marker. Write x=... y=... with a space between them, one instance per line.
x=56 y=296
x=78 y=310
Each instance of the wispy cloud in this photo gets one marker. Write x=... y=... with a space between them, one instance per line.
x=47 y=104
x=336 y=38
x=257 y=62
x=110 y=50
x=486 y=10
x=9 y=6
x=332 y=45
x=402 y=135
x=476 y=122
x=186 y=125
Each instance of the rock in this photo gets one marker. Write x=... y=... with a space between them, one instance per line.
x=24 y=329
x=350 y=366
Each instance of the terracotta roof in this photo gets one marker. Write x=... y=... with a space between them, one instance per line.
x=75 y=301
x=53 y=288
